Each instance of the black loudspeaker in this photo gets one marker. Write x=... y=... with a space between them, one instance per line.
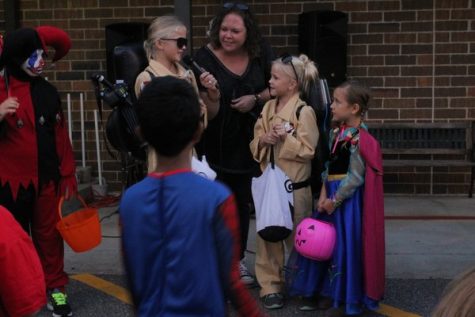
x=124 y=50
x=323 y=38
x=129 y=60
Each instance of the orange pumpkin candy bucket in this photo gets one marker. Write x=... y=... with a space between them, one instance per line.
x=81 y=229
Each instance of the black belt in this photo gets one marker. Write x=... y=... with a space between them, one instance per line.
x=302 y=184
x=295 y=186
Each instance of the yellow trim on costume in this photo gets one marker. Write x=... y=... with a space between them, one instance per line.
x=336 y=177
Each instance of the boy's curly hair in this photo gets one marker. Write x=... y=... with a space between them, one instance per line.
x=169 y=114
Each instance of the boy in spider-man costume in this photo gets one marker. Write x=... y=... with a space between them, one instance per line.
x=36 y=161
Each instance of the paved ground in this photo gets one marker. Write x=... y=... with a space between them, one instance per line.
x=429 y=240
x=405 y=298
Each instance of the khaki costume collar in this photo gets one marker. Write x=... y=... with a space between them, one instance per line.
x=159 y=70
x=288 y=110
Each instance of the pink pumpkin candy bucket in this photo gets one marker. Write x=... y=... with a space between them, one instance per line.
x=315 y=239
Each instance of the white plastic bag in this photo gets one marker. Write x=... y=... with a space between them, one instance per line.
x=202 y=168
x=273 y=202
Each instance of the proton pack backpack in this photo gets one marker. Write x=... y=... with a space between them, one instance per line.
x=318 y=98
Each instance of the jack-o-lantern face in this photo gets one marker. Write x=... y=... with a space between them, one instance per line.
x=315 y=239
x=298 y=240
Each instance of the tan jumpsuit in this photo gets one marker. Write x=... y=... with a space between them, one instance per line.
x=294 y=157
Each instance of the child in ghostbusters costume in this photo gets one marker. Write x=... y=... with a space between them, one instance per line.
x=36 y=163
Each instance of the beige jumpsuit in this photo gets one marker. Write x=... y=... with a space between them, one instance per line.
x=159 y=70
x=294 y=157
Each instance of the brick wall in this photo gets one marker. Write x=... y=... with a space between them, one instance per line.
x=418 y=56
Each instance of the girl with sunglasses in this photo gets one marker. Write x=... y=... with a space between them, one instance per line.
x=287 y=128
x=165 y=46
x=240 y=60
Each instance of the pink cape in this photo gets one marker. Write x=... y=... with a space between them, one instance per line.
x=373 y=217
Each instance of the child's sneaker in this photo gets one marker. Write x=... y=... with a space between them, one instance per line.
x=246 y=276
x=58 y=303
x=273 y=301
x=334 y=312
x=307 y=304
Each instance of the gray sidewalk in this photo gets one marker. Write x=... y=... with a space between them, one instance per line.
x=429 y=206
x=422 y=255
x=414 y=248
x=429 y=248
x=420 y=248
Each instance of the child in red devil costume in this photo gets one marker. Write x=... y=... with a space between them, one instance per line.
x=36 y=162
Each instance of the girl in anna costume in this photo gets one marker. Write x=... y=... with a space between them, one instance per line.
x=352 y=199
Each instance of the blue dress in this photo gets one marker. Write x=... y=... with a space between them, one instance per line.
x=341 y=277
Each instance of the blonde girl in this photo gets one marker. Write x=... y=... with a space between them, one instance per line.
x=165 y=45
x=288 y=127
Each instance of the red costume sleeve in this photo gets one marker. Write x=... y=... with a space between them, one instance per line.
x=19 y=159
x=239 y=295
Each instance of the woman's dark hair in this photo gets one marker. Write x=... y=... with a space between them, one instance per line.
x=169 y=114
x=253 y=35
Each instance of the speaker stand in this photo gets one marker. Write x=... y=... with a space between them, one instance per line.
x=131 y=170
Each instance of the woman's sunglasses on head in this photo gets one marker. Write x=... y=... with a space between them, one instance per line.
x=181 y=42
x=240 y=6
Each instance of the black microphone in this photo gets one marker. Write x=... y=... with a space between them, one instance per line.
x=191 y=63
x=101 y=79
x=120 y=90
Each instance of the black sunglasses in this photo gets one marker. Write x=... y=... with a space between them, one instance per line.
x=287 y=59
x=181 y=42
x=240 y=6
